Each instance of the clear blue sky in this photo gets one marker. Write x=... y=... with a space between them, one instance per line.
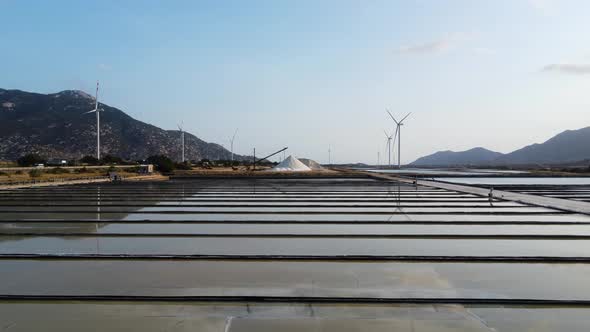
x=313 y=74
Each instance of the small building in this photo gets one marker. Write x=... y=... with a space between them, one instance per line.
x=146 y=169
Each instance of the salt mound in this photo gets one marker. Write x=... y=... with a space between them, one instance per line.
x=314 y=165
x=291 y=164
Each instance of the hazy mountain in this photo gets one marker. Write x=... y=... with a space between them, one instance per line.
x=568 y=146
x=55 y=126
x=475 y=156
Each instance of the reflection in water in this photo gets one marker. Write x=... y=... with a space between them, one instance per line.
x=293 y=278
x=97 y=217
x=398 y=210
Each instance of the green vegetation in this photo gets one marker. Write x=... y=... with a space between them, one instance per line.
x=161 y=163
x=58 y=170
x=30 y=159
x=81 y=170
x=35 y=173
x=109 y=159
x=183 y=166
x=90 y=160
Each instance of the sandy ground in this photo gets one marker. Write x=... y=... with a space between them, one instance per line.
x=12 y=177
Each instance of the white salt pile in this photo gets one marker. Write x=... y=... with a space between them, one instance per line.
x=291 y=164
x=314 y=165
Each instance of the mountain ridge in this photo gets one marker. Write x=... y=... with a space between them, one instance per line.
x=55 y=126
x=569 y=146
x=474 y=156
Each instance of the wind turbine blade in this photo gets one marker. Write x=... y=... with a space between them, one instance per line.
x=234 y=136
x=394 y=120
x=405 y=117
x=386 y=134
x=89 y=112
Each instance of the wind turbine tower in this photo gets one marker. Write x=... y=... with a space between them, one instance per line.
x=231 y=141
x=398 y=130
x=181 y=140
x=388 y=144
x=97 y=122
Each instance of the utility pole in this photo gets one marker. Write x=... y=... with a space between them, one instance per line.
x=97 y=125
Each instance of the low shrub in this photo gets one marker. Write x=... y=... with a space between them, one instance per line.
x=183 y=166
x=162 y=163
x=35 y=173
x=30 y=159
x=81 y=170
x=58 y=170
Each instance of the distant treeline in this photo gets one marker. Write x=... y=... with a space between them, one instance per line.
x=162 y=163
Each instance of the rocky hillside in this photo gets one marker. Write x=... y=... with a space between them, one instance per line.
x=566 y=147
x=55 y=126
x=475 y=156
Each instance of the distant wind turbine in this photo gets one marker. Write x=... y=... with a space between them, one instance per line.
x=97 y=111
x=398 y=130
x=181 y=139
x=231 y=142
x=388 y=144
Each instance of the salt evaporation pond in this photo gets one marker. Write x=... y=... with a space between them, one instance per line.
x=518 y=180
x=107 y=256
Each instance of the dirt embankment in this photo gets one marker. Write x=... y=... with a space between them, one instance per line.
x=41 y=175
x=248 y=172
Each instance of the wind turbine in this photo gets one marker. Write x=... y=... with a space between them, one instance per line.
x=181 y=138
x=398 y=130
x=97 y=111
x=378 y=159
x=388 y=144
x=231 y=141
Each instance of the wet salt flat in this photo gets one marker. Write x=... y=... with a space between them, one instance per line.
x=255 y=246
x=571 y=188
x=251 y=317
x=519 y=180
x=446 y=171
x=359 y=230
x=295 y=279
x=288 y=254
x=577 y=192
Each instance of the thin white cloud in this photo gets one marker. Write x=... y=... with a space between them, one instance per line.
x=430 y=47
x=435 y=46
x=568 y=68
